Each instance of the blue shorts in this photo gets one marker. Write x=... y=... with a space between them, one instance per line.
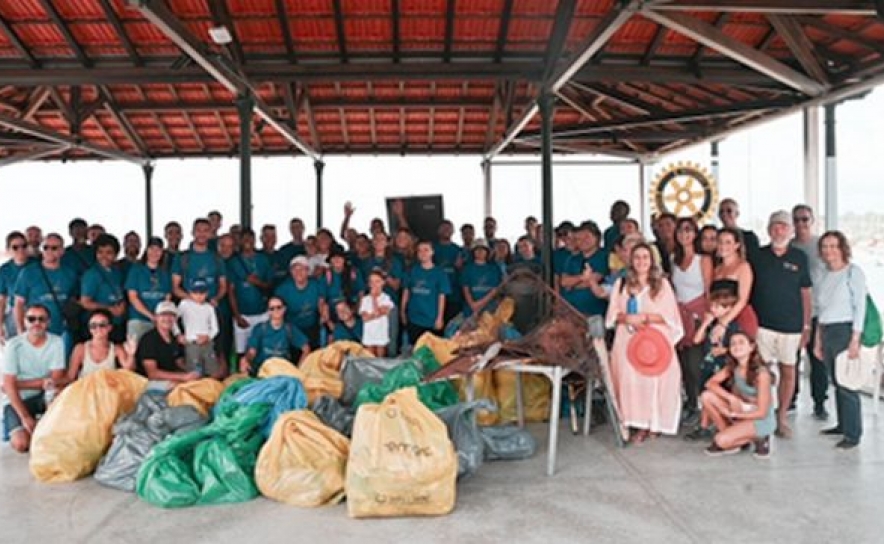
x=11 y=422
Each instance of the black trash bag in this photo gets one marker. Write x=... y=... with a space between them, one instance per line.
x=332 y=414
x=507 y=443
x=137 y=433
x=465 y=434
x=359 y=371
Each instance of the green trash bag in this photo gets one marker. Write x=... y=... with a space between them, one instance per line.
x=212 y=465
x=434 y=395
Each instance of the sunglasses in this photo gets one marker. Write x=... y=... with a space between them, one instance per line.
x=16 y=247
x=275 y=308
x=51 y=248
x=36 y=319
x=98 y=325
x=801 y=219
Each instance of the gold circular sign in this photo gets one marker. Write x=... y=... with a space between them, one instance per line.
x=686 y=190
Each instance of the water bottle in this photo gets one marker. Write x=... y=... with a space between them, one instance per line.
x=632 y=305
x=631 y=309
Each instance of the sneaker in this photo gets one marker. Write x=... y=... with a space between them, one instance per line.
x=715 y=451
x=690 y=418
x=699 y=433
x=846 y=444
x=762 y=448
x=834 y=431
x=820 y=413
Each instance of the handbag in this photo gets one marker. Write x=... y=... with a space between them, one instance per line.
x=691 y=313
x=855 y=374
x=70 y=310
x=872 y=331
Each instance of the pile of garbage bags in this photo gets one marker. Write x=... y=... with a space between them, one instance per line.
x=366 y=429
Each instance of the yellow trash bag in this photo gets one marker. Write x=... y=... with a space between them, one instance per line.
x=201 y=394
x=402 y=462
x=233 y=378
x=442 y=348
x=277 y=366
x=322 y=369
x=76 y=430
x=303 y=462
x=536 y=391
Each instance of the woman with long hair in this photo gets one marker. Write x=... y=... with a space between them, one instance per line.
x=841 y=305
x=691 y=278
x=99 y=352
x=733 y=265
x=649 y=402
x=745 y=412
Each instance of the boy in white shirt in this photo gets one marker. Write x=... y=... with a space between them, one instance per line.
x=375 y=308
x=200 y=328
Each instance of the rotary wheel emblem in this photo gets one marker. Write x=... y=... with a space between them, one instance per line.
x=686 y=190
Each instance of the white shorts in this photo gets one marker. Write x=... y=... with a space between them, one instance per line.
x=779 y=347
x=241 y=335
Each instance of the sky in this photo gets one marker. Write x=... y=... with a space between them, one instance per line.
x=762 y=168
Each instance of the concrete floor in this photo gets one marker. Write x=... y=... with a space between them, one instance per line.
x=664 y=491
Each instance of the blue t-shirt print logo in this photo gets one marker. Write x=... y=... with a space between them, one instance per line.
x=420 y=288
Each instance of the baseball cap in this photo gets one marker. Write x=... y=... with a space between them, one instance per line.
x=199 y=286
x=166 y=307
x=480 y=243
x=780 y=216
x=299 y=260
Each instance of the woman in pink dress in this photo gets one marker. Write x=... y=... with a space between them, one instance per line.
x=649 y=405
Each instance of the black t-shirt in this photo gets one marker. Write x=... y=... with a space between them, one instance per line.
x=776 y=293
x=750 y=240
x=152 y=346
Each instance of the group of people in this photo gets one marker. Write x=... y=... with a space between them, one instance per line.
x=735 y=315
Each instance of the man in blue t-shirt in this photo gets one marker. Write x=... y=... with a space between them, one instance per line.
x=587 y=266
x=423 y=301
x=447 y=255
x=619 y=212
x=304 y=298
x=102 y=286
x=78 y=256
x=17 y=245
x=289 y=251
x=250 y=278
x=49 y=283
x=199 y=262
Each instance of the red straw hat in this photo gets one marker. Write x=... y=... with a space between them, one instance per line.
x=649 y=351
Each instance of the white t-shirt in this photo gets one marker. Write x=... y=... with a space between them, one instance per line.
x=375 y=332
x=197 y=319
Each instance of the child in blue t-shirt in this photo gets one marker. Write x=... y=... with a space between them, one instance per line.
x=348 y=326
x=423 y=301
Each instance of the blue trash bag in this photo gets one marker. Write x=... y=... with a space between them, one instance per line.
x=509 y=332
x=282 y=393
x=453 y=326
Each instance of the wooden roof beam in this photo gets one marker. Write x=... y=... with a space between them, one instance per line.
x=714 y=38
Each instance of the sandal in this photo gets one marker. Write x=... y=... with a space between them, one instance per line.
x=638 y=437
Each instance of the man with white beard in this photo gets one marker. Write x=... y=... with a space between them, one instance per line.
x=781 y=298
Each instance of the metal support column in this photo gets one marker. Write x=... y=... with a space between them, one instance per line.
x=831 y=170
x=812 y=157
x=545 y=102
x=245 y=105
x=319 y=166
x=715 y=165
x=148 y=199
x=486 y=177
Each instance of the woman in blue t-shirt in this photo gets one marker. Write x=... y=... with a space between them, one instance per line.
x=479 y=279
x=147 y=284
x=274 y=338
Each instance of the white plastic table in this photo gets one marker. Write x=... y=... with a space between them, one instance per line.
x=555 y=374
